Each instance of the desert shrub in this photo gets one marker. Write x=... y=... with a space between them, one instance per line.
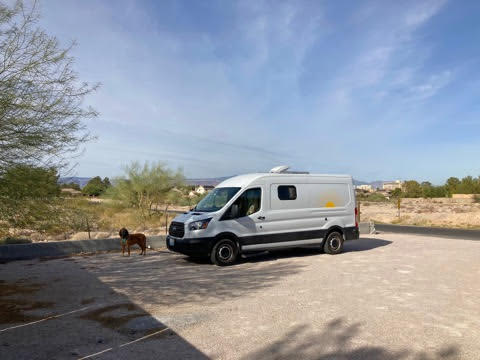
x=401 y=219
x=374 y=197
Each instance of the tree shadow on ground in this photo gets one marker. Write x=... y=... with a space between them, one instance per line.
x=337 y=342
x=61 y=310
x=180 y=280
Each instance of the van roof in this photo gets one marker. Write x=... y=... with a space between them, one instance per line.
x=246 y=179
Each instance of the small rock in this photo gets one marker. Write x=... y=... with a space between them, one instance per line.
x=74 y=353
x=99 y=341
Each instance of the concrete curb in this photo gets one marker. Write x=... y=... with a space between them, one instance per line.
x=64 y=248
x=452 y=233
x=366 y=228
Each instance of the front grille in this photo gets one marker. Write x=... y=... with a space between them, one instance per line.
x=176 y=229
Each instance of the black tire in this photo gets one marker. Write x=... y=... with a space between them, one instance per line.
x=224 y=253
x=333 y=243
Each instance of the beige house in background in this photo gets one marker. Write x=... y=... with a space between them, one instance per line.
x=71 y=192
x=200 y=190
x=392 y=185
x=365 y=187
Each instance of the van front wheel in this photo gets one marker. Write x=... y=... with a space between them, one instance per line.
x=333 y=243
x=224 y=252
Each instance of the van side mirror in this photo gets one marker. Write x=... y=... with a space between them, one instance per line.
x=234 y=211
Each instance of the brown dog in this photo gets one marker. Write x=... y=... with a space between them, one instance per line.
x=129 y=240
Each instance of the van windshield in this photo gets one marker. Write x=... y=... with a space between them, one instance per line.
x=216 y=199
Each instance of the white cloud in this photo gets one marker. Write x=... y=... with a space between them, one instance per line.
x=422 y=12
x=282 y=82
x=432 y=86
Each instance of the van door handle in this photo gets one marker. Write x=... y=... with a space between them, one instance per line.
x=261 y=218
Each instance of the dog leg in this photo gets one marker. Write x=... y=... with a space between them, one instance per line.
x=128 y=248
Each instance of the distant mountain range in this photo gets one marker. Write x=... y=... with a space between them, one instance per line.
x=207 y=181
x=81 y=181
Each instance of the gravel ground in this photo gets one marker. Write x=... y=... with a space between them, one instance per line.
x=388 y=296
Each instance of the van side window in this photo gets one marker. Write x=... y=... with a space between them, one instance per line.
x=247 y=204
x=287 y=192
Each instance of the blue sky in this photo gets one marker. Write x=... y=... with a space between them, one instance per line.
x=376 y=89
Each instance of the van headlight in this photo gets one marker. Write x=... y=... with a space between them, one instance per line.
x=199 y=225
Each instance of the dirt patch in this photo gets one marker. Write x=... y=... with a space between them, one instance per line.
x=12 y=309
x=118 y=318
x=114 y=316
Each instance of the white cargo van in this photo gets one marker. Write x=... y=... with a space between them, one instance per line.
x=268 y=211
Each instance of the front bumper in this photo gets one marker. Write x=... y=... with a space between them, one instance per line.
x=190 y=247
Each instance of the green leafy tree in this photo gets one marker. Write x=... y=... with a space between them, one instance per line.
x=107 y=183
x=452 y=185
x=432 y=191
x=24 y=181
x=95 y=186
x=439 y=191
x=413 y=189
x=28 y=197
x=396 y=193
x=427 y=189
x=147 y=186
x=41 y=97
x=466 y=186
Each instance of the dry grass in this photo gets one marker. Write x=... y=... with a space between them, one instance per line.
x=105 y=218
x=442 y=212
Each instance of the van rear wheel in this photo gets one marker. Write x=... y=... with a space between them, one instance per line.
x=224 y=253
x=334 y=243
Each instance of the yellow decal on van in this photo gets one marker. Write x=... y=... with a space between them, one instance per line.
x=330 y=204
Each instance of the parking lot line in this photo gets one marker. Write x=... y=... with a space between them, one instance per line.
x=45 y=319
x=126 y=344
x=97 y=353
x=144 y=337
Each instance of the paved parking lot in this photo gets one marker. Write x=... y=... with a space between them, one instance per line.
x=388 y=296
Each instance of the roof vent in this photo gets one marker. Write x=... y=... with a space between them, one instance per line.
x=279 y=169
x=283 y=169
